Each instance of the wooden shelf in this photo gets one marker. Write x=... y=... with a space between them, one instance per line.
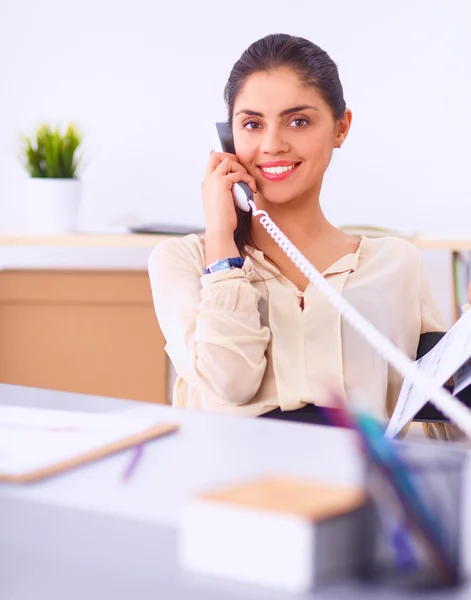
x=133 y=240
x=437 y=243
x=85 y=240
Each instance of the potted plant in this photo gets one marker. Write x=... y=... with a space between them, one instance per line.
x=53 y=190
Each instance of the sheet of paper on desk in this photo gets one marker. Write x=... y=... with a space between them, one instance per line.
x=442 y=362
x=32 y=439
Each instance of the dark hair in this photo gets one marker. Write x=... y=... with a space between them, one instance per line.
x=313 y=65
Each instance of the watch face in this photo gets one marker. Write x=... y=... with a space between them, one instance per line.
x=224 y=264
x=221 y=265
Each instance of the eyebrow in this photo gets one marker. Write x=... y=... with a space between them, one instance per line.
x=283 y=113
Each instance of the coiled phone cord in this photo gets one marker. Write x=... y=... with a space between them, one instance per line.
x=432 y=390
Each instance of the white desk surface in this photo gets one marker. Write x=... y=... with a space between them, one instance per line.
x=207 y=450
x=85 y=534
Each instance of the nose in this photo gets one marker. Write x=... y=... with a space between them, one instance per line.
x=273 y=142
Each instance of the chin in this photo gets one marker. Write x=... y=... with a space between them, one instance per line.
x=278 y=198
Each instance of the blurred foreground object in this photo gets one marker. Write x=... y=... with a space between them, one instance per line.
x=284 y=533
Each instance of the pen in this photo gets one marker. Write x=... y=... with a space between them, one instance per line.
x=133 y=464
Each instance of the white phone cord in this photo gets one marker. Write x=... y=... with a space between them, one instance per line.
x=443 y=400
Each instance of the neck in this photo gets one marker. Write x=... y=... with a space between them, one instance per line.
x=301 y=220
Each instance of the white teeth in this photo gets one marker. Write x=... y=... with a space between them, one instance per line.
x=277 y=170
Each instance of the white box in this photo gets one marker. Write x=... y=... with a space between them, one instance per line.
x=286 y=534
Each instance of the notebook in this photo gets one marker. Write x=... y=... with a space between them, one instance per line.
x=37 y=443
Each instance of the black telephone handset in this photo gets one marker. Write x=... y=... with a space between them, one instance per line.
x=240 y=191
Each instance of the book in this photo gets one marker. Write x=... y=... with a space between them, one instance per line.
x=283 y=533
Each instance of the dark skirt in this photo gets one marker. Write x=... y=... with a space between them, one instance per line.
x=308 y=414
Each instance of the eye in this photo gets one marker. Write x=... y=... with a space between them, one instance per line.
x=299 y=122
x=251 y=125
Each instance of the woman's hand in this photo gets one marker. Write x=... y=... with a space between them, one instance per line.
x=222 y=172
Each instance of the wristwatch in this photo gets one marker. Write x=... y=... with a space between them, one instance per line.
x=225 y=263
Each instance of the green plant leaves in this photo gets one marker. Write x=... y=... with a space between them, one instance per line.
x=52 y=154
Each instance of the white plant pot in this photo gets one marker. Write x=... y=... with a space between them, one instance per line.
x=51 y=206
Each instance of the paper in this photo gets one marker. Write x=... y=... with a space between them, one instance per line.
x=33 y=438
x=449 y=357
x=463 y=377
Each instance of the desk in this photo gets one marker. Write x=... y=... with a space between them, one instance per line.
x=86 y=535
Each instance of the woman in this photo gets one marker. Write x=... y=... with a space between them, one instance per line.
x=257 y=337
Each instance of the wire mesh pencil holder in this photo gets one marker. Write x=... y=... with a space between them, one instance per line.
x=400 y=553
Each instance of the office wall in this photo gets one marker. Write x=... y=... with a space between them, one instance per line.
x=144 y=79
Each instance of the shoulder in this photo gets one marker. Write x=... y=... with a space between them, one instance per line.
x=390 y=250
x=187 y=251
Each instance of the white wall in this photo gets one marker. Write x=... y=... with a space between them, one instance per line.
x=145 y=80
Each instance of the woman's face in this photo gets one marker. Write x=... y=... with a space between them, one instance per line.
x=284 y=134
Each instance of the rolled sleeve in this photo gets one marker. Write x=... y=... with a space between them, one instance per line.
x=211 y=324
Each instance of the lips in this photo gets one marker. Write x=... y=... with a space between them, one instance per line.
x=279 y=170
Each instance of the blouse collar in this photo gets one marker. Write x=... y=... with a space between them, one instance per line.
x=348 y=262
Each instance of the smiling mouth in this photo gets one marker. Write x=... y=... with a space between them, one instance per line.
x=278 y=173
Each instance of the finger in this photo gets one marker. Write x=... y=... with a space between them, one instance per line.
x=215 y=158
x=236 y=167
x=245 y=177
x=235 y=172
x=226 y=166
x=241 y=173
x=213 y=162
x=227 y=155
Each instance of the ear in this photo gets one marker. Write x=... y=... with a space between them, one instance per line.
x=343 y=127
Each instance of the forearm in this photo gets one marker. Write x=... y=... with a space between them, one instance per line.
x=219 y=245
x=229 y=342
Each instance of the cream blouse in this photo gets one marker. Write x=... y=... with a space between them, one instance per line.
x=241 y=344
